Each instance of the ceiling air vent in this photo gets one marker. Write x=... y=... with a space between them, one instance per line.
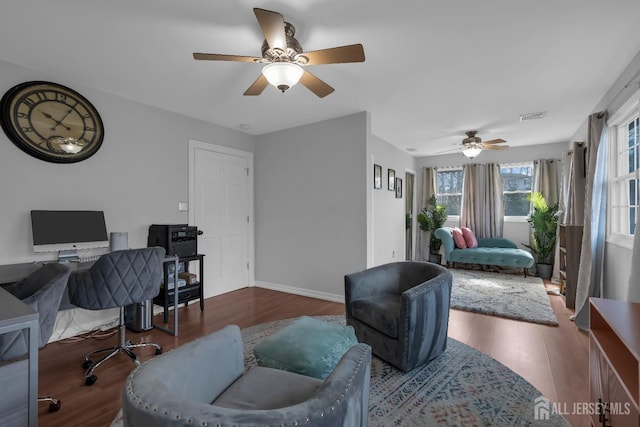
x=532 y=116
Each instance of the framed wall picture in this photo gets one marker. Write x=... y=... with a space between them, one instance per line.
x=377 y=177
x=391 y=178
x=398 y=188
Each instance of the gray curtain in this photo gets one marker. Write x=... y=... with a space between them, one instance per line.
x=408 y=206
x=575 y=193
x=470 y=211
x=429 y=186
x=545 y=181
x=595 y=209
x=492 y=203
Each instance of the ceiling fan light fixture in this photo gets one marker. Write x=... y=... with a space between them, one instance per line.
x=472 y=151
x=282 y=75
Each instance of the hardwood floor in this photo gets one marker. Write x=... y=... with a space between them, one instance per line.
x=553 y=359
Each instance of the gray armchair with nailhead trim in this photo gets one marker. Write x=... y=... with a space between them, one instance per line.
x=204 y=383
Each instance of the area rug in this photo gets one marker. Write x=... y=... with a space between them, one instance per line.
x=462 y=387
x=499 y=294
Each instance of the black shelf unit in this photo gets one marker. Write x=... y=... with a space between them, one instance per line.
x=186 y=293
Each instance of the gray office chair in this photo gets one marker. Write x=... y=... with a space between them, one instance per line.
x=42 y=291
x=117 y=279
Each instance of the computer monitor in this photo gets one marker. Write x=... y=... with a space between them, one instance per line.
x=68 y=231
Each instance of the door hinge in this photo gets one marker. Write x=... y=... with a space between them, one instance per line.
x=247 y=169
x=247 y=219
x=247 y=266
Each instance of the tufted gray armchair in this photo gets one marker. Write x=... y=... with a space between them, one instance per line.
x=117 y=279
x=203 y=383
x=401 y=310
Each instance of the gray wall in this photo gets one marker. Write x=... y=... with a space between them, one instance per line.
x=311 y=206
x=137 y=177
x=387 y=235
x=617 y=263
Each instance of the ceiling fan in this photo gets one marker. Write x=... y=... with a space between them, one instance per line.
x=473 y=145
x=284 y=57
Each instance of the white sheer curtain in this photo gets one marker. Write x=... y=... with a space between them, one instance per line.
x=470 y=210
x=492 y=203
x=595 y=209
x=428 y=189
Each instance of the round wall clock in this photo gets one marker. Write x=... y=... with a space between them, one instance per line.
x=51 y=122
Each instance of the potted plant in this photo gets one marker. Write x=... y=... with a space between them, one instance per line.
x=544 y=224
x=430 y=219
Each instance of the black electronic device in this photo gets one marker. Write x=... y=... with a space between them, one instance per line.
x=177 y=239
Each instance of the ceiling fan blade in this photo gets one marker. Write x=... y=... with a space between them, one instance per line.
x=257 y=87
x=494 y=147
x=494 y=141
x=315 y=85
x=447 y=151
x=272 y=24
x=335 y=55
x=218 y=57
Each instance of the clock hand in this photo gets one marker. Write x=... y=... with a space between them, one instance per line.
x=59 y=122
x=49 y=116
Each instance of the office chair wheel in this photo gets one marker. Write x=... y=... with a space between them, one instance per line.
x=54 y=407
x=86 y=364
x=158 y=351
x=90 y=380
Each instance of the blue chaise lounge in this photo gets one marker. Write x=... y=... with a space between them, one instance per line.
x=490 y=251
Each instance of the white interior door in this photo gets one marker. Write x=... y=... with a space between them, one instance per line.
x=220 y=206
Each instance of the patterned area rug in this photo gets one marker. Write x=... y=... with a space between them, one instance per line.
x=463 y=387
x=498 y=294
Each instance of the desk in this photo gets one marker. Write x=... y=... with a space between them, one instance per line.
x=11 y=273
x=16 y=316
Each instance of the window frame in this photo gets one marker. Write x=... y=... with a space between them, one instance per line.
x=516 y=218
x=617 y=179
x=450 y=217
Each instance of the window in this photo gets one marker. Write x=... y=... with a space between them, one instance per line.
x=449 y=191
x=516 y=187
x=624 y=134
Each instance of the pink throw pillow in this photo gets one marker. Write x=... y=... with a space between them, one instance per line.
x=459 y=238
x=469 y=237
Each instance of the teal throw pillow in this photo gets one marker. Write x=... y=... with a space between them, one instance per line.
x=307 y=346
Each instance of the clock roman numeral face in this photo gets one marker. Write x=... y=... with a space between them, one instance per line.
x=41 y=118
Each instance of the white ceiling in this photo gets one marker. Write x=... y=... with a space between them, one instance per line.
x=433 y=69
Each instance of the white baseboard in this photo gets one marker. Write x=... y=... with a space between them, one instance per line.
x=300 y=291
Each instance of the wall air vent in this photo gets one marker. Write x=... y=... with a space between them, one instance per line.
x=532 y=116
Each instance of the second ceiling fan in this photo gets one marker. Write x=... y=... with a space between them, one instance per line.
x=473 y=145
x=284 y=57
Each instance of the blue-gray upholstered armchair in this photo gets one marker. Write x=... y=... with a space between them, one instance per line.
x=401 y=310
x=42 y=291
x=204 y=382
